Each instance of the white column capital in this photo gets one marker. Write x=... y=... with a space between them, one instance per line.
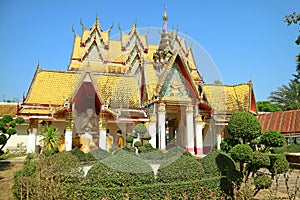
x=189 y=109
x=198 y=121
x=162 y=108
x=153 y=118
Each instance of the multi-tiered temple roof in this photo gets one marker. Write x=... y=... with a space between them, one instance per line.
x=130 y=73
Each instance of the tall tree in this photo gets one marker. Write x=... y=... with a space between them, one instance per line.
x=287 y=97
x=267 y=106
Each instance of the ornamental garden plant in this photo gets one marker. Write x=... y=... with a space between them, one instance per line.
x=251 y=148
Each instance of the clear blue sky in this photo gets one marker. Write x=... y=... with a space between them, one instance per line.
x=244 y=38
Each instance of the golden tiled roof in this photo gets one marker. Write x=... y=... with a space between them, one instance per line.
x=51 y=87
x=118 y=91
x=226 y=99
x=36 y=111
x=8 y=109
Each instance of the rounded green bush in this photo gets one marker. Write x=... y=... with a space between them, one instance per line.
x=272 y=138
x=241 y=153
x=177 y=151
x=147 y=136
x=262 y=182
x=278 y=164
x=121 y=169
x=137 y=144
x=99 y=154
x=154 y=155
x=220 y=164
x=181 y=168
x=227 y=144
x=79 y=154
x=245 y=126
x=129 y=139
x=260 y=159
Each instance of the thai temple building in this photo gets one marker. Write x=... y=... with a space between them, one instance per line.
x=114 y=84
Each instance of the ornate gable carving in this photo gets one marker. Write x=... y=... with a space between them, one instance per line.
x=175 y=85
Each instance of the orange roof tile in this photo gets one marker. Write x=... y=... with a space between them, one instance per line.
x=284 y=122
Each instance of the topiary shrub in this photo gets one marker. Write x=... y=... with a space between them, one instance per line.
x=177 y=151
x=23 y=177
x=99 y=154
x=147 y=136
x=220 y=164
x=79 y=154
x=272 y=138
x=121 y=169
x=262 y=182
x=241 y=153
x=179 y=169
x=129 y=139
x=137 y=144
x=53 y=177
x=258 y=161
x=227 y=144
x=278 y=164
x=141 y=129
x=154 y=155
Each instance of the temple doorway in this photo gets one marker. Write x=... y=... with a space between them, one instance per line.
x=174 y=125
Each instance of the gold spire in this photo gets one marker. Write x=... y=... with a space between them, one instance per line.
x=165 y=16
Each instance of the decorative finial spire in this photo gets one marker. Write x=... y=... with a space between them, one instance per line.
x=97 y=21
x=73 y=30
x=38 y=66
x=82 y=26
x=165 y=18
x=134 y=23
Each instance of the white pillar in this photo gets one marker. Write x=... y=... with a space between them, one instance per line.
x=102 y=138
x=199 y=125
x=69 y=131
x=219 y=136
x=162 y=126
x=32 y=130
x=190 y=129
x=152 y=129
x=102 y=132
x=68 y=139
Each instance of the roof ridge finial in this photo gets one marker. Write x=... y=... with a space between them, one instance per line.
x=73 y=30
x=82 y=26
x=165 y=19
x=38 y=66
x=97 y=20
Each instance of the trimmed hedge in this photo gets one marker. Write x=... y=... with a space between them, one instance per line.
x=100 y=154
x=183 y=168
x=220 y=164
x=278 y=164
x=291 y=148
x=79 y=154
x=121 y=169
x=50 y=177
x=177 y=151
x=198 y=189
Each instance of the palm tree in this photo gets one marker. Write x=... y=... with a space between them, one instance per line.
x=50 y=137
x=297 y=75
x=287 y=96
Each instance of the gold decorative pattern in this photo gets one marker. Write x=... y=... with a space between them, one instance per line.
x=52 y=87
x=227 y=99
x=118 y=91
